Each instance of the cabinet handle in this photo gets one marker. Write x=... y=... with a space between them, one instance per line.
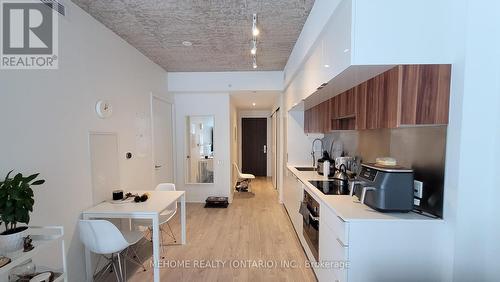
x=342 y=244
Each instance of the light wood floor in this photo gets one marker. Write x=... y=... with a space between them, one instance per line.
x=254 y=227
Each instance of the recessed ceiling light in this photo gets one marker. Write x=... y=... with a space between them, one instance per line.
x=253 y=104
x=327 y=65
x=187 y=43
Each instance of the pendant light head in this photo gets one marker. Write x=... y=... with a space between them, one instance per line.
x=253 y=51
x=255 y=30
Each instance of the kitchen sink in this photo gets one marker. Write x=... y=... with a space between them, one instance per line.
x=303 y=168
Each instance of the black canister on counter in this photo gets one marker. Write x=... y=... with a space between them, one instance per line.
x=117 y=195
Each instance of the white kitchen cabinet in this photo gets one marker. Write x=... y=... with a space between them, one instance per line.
x=293 y=192
x=333 y=247
x=370 y=250
x=365 y=34
x=333 y=254
x=328 y=57
x=297 y=198
x=401 y=32
x=359 y=244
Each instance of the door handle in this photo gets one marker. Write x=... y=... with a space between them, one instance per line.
x=265 y=149
x=157 y=166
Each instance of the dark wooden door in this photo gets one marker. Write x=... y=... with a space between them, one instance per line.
x=253 y=146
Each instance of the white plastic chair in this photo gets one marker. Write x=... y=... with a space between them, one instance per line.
x=165 y=216
x=104 y=238
x=244 y=177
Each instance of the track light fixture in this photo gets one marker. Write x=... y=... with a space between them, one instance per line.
x=253 y=51
x=255 y=29
x=255 y=32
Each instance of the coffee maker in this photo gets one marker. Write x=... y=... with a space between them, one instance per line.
x=384 y=188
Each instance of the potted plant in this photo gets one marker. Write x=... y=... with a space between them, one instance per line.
x=16 y=203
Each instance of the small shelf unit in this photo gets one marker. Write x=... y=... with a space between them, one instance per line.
x=43 y=237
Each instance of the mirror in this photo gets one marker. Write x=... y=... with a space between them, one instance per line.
x=200 y=149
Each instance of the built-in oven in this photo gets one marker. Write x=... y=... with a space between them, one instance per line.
x=310 y=215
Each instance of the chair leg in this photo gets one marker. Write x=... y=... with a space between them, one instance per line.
x=120 y=266
x=100 y=274
x=115 y=270
x=171 y=232
x=97 y=266
x=162 y=245
x=135 y=259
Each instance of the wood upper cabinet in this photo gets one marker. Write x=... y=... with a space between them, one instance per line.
x=425 y=94
x=316 y=119
x=343 y=111
x=404 y=95
x=360 y=92
x=347 y=104
x=325 y=116
x=307 y=120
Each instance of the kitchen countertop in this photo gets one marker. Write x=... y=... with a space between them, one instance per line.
x=347 y=207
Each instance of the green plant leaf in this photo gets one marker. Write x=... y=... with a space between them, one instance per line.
x=18 y=178
x=7 y=177
x=31 y=177
x=38 y=182
x=16 y=199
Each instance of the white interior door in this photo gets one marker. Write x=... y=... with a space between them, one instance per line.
x=163 y=141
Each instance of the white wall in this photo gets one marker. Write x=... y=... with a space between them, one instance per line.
x=206 y=82
x=255 y=114
x=471 y=200
x=299 y=144
x=46 y=117
x=233 y=112
x=198 y=104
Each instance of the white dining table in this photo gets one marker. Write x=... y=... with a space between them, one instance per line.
x=157 y=202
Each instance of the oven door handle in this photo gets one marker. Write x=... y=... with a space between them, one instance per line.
x=315 y=218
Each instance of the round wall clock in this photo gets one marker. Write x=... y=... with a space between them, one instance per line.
x=103 y=109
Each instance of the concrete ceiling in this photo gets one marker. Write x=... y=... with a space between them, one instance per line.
x=264 y=100
x=220 y=30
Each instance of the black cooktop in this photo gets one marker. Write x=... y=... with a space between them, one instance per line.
x=329 y=187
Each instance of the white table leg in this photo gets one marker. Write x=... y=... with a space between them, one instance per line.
x=156 y=248
x=88 y=264
x=183 y=219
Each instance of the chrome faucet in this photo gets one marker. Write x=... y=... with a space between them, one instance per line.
x=312 y=150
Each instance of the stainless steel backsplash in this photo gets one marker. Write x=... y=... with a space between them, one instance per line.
x=420 y=148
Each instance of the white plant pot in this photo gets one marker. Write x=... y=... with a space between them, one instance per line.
x=12 y=242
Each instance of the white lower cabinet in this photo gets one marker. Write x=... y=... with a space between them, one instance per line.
x=293 y=194
x=353 y=248
x=368 y=250
x=333 y=249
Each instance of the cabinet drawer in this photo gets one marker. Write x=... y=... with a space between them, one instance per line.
x=333 y=254
x=338 y=225
x=340 y=258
